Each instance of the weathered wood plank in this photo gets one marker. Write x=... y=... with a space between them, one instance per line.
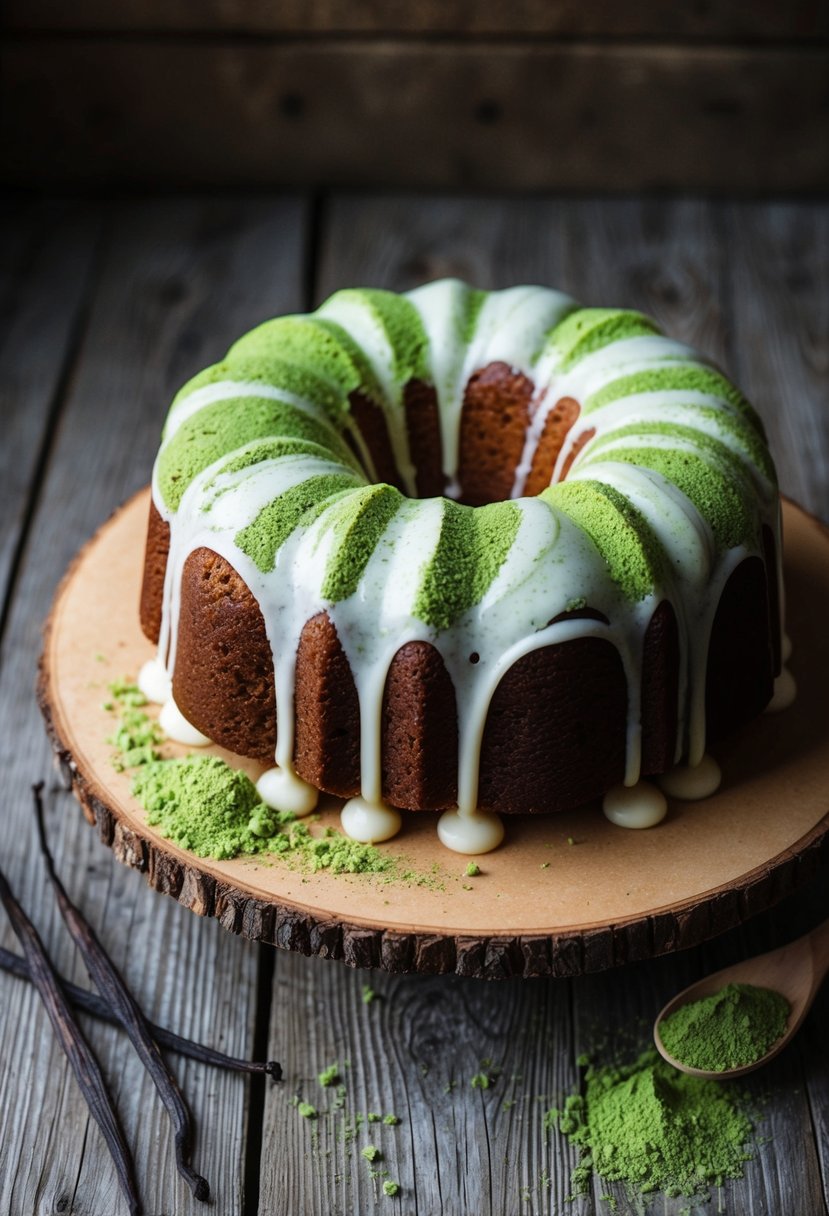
x=47 y=258
x=181 y=279
x=726 y=20
x=413 y=1051
x=780 y=335
x=364 y=113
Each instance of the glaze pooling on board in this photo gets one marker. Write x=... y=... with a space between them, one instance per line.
x=662 y=502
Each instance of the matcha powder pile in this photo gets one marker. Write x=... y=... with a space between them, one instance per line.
x=204 y=805
x=729 y=1029
x=655 y=1128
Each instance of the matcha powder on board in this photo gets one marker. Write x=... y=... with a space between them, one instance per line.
x=204 y=805
x=728 y=1029
x=655 y=1128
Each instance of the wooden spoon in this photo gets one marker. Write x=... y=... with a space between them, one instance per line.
x=797 y=971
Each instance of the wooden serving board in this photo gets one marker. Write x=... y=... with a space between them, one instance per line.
x=541 y=905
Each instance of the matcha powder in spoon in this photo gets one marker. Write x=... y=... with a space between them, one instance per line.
x=731 y=1028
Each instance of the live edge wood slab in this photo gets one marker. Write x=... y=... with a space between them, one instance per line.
x=541 y=906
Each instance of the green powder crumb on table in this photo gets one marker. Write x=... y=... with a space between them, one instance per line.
x=390 y=1188
x=368 y=994
x=481 y=1080
x=729 y=1029
x=329 y=1075
x=370 y=1152
x=391 y=1120
x=307 y=1110
x=473 y=870
x=655 y=1128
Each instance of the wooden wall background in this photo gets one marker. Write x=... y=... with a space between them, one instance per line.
x=510 y=95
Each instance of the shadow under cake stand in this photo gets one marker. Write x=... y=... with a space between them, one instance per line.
x=541 y=906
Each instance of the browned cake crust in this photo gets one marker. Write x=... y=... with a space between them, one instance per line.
x=156 y=553
x=740 y=672
x=420 y=402
x=223 y=677
x=555 y=735
x=371 y=423
x=420 y=731
x=494 y=420
x=556 y=426
x=556 y=730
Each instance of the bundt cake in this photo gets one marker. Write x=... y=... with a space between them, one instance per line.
x=463 y=551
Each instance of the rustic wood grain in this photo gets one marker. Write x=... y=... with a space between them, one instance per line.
x=46 y=262
x=779 y=335
x=362 y=113
x=727 y=20
x=180 y=280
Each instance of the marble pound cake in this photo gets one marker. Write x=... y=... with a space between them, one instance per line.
x=462 y=551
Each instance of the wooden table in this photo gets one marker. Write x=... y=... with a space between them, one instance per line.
x=107 y=308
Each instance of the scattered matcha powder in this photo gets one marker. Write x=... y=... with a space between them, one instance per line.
x=480 y=1080
x=329 y=1075
x=307 y=1110
x=653 y=1127
x=204 y=805
x=136 y=735
x=473 y=870
x=391 y=1120
x=368 y=994
x=137 y=738
x=729 y=1029
x=390 y=1188
x=370 y=1152
x=126 y=692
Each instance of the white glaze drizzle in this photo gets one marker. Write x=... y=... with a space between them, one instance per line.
x=785 y=692
x=154 y=681
x=370 y=820
x=690 y=782
x=283 y=790
x=635 y=806
x=174 y=724
x=550 y=563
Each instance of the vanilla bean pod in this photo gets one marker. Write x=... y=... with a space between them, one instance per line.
x=92 y=1003
x=110 y=983
x=85 y=1066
